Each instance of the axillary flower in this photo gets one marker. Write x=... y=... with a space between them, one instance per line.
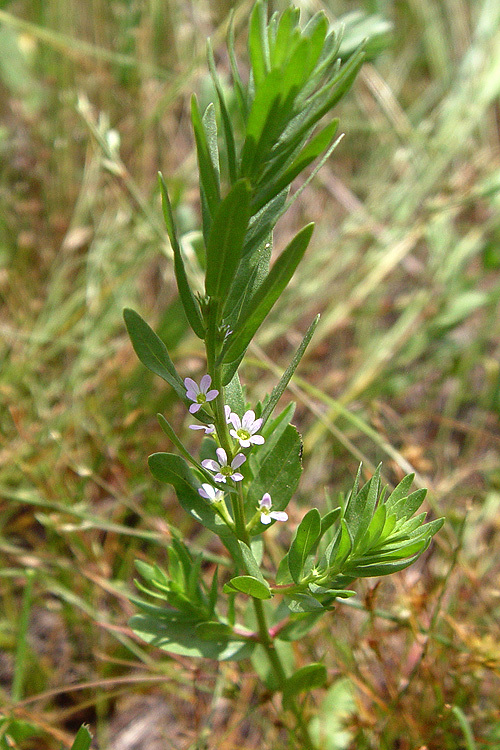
x=209 y=428
x=199 y=393
x=267 y=515
x=211 y=493
x=223 y=469
x=245 y=429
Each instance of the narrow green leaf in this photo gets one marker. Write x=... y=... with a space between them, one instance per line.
x=306 y=678
x=179 y=636
x=374 y=531
x=169 y=431
x=305 y=603
x=208 y=176
x=226 y=120
x=152 y=351
x=361 y=506
x=284 y=36
x=400 y=491
x=210 y=126
x=215 y=631
x=329 y=519
x=250 y=586
x=251 y=564
x=280 y=388
x=309 y=153
x=189 y=302
x=258 y=43
x=83 y=739
x=299 y=625
x=306 y=537
x=340 y=548
x=225 y=241
x=323 y=100
x=239 y=87
x=407 y=506
x=267 y=294
x=381 y=569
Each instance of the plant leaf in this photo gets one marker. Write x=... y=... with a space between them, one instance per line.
x=280 y=388
x=189 y=302
x=306 y=678
x=208 y=176
x=306 y=537
x=83 y=739
x=249 y=585
x=225 y=241
x=178 y=636
x=251 y=564
x=226 y=120
x=152 y=351
x=267 y=294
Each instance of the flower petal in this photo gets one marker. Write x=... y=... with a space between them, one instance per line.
x=194 y=408
x=236 y=476
x=266 y=501
x=205 y=383
x=278 y=515
x=222 y=456
x=235 y=420
x=256 y=425
x=209 y=463
x=265 y=519
x=212 y=394
x=191 y=385
x=238 y=460
x=248 y=420
x=257 y=440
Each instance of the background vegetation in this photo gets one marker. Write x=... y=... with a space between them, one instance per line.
x=404 y=368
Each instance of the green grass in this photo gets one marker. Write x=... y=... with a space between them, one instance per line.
x=404 y=368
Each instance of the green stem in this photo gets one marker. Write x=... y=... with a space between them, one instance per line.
x=280 y=674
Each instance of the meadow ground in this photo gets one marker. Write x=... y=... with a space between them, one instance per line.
x=404 y=369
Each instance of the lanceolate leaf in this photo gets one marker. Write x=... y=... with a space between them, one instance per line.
x=226 y=121
x=181 y=637
x=258 y=43
x=250 y=586
x=280 y=388
x=267 y=294
x=306 y=537
x=250 y=562
x=189 y=303
x=304 y=679
x=226 y=238
x=82 y=740
x=309 y=153
x=208 y=176
x=152 y=351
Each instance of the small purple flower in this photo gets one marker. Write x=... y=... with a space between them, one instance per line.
x=267 y=514
x=199 y=393
x=210 y=493
x=209 y=428
x=245 y=429
x=223 y=469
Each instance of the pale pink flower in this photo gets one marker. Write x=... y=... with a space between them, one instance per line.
x=267 y=514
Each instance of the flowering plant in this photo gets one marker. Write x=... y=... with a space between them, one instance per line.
x=251 y=462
